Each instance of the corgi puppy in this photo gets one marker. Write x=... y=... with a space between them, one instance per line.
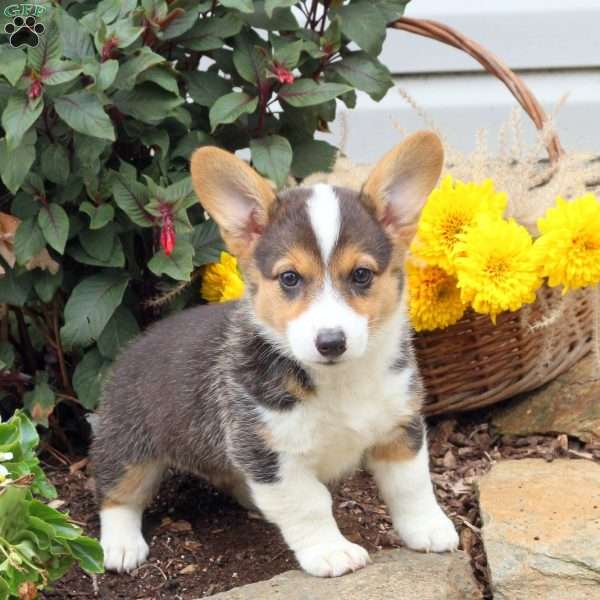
x=306 y=378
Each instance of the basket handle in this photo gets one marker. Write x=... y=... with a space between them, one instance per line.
x=516 y=86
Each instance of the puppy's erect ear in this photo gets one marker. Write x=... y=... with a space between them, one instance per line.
x=401 y=181
x=234 y=195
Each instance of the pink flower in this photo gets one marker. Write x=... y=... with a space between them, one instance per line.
x=284 y=75
x=35 y=89
x=167 y=230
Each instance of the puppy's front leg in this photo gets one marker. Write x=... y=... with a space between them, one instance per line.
x=401 y=470
x=300 y=505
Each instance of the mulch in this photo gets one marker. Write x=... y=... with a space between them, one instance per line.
x=201 y=542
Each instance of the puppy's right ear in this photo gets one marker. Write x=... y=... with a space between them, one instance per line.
x=234 y=195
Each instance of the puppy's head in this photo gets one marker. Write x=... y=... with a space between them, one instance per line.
x=323 y=265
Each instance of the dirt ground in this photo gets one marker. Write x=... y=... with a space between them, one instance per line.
x=202 y=543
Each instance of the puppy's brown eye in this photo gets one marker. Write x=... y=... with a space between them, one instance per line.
x=289 y=279
x=362 y=276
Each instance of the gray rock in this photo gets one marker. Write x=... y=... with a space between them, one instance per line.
x=569 y=404
x=394 y=575
x=541 y=529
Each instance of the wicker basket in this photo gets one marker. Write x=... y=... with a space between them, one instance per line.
x=475 y=363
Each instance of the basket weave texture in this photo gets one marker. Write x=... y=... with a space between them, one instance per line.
x=475 y=363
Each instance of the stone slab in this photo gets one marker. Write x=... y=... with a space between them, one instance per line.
x=541 y=529
x=394 y=575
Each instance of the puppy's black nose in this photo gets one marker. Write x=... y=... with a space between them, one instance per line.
x=331 y=343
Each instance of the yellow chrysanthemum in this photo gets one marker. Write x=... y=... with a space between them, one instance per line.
x=449 y=211
x=494 y=266
x=222 y=282
x=568 y=249
x=434 y=299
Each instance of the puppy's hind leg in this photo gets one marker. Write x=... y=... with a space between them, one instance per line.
x=121 y=516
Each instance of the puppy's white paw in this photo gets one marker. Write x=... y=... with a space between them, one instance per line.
x=333 y=559
x=124 y=553
x=431 y=532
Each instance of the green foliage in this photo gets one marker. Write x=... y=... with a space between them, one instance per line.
x=38 y=544
x=97 y=126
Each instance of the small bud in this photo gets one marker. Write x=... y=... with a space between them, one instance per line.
x=35 y=89
x=283 y=75
x=167 y=230
x=108 y=48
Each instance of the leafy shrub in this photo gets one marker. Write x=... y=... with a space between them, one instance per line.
x=98 y=122
x=38 y=544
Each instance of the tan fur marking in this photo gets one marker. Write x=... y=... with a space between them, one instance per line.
x=296 y=389
x=383 y=297
x=272 y=306
x=397 y=449
x=135 y=487
x=234 y=195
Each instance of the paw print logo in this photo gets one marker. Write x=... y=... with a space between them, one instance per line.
x=24 y=32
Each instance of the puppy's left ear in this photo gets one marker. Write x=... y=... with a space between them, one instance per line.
x=401 y=181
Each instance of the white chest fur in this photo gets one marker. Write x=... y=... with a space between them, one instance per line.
x=355 y=407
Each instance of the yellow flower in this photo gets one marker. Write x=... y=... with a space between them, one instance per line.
x=494 y=266
x=434 y=299
x=450 y=210
x=568 y=250
x=222 y=282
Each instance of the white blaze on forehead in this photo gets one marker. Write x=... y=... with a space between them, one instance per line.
x=324 y=213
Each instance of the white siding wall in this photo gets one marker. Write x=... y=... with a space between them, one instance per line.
x=553 y=44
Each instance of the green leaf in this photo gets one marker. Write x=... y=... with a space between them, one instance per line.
x=49 y=48
x=88 y=377
x=18 y=116
x=98 y=242
x=121 y=328
x=271 y=5
x=99 y=215
x=241 y=5
x=148 y=103
x=54 y=223
x=206 y=87
x=250 y=59
x=180 y=24
x=12 y=64
x=56 y=73
x=131 y=197
x=161 y=76
x=272 y=156
x=208 y=33
x=282 y=19
x=287 y=53
x=89 y=554
x=365 y=73
x=129 y=71
x=7 y=355
x=115 y=258
x=55 y=164
x=40 y=403
x=77 y=42
x=46 y=285
x=83 y=112
x=230 y=107
x=107 y=74
x=391 y=9
x=15 y=287
x=16 y=163
x=29 y=240
x=91 y=305
x=313 y=156
x=207 y=243
x=190 y=142
x=307 y=92
x=178 y=265
x=364 y=25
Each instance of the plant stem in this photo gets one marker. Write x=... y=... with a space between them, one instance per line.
x=59 y=349
x=28 y=351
